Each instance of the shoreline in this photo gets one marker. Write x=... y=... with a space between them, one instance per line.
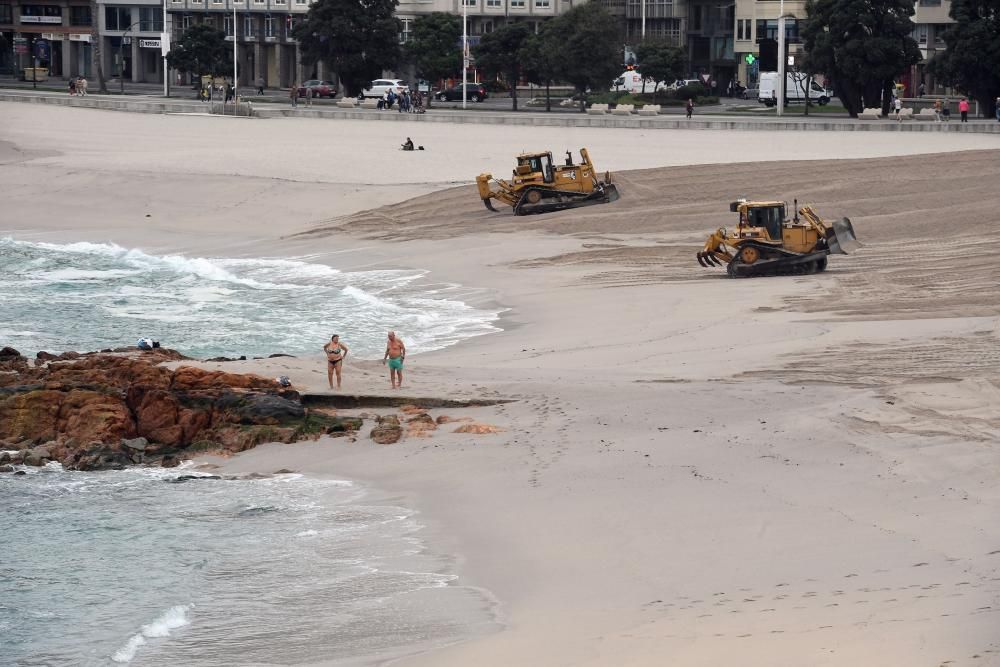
x=793 y=470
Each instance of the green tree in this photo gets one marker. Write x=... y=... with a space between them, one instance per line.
x=499 y=54
x=357 y=40
x=540 y=59
x=972 y=61
x=434 y=48
x=862 y=45
x=589 y=51
x=202 y=50
x=660 y=61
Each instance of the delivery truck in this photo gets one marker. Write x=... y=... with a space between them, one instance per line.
x=795 y=89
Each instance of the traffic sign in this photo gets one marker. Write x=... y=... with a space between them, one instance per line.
x=751 y=59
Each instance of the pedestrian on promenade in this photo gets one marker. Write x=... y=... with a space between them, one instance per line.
x=260 y=85
x=72 y=86
x=81 y=86
x=230 y=92
x=395 y=355
x=309 y=96
x=293 y=94
x=937 y=110
x=921 y=89
x=336 y=352
x=897 y=105
x=946 y=110
x=689 y=107
x=963 y=108
x=998 y=109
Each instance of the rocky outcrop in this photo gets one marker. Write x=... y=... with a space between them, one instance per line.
x=387 y=430
x=108 y=410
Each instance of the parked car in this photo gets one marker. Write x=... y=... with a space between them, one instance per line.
x=379 y=87
x=475 y=92
x=319 y=88
x=750 y=93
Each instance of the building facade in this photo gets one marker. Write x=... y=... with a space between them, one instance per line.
x=130 y=40
x=65 y=25
x=262 y=30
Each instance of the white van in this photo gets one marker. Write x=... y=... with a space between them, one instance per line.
x=631 y=81
x=794 y=89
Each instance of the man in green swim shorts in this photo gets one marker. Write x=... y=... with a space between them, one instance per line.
x=395 y=354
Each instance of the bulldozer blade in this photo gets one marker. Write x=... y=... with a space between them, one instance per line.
x=840 y=237
x=611 y=192
x=701 y=259
x=715 y=260
x=489 y=204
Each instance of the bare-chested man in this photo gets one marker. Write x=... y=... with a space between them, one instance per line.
x=336 y=352
x=395 y=353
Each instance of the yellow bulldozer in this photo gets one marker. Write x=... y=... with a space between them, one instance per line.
x=539 y=186
x=765 y=242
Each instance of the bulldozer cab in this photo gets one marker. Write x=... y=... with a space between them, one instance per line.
x=770 y=216
x=536 y=163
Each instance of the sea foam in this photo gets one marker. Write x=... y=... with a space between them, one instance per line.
x=85 y=296
x=173 y=618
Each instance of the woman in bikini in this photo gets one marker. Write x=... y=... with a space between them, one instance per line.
x=336 y=352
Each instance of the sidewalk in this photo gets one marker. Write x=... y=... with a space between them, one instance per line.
x=265 y=107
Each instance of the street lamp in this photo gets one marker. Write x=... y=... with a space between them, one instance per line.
x=121 y=56
x=465 y=48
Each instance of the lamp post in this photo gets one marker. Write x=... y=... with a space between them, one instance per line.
x=121 y=56
x=236 y=32
x=781 y=58
x=465 y=47
x=643 y=19
x=165 y=49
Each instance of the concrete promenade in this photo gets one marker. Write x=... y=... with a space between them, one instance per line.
x=152 y=104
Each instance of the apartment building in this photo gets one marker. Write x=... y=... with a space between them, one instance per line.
x=931 y=19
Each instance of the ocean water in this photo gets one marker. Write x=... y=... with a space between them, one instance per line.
x=134 y=567
x=89 y=296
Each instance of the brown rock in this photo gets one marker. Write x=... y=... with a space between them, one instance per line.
x=445 y=419
x=420 y=425
x=6 y=468
x=478 y=429
x=387 y=431
x=410 y=409
x=170 y=462
x=188 y=377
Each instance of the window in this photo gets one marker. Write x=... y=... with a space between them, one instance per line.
x=249 y=27
x=494 y=3
x=270 y=29
x=939 y=30
x=514 y=4
x=407 y=30
x=150 y=19
x=768 y=29
x=6 y=15
x=290 y=24
x=468 y=3
x=117 y=18
x=486 y=27
x=216 y=2
x=920 y=33
x=51 y=14
x=227 y=25
x=929 y=3
x=300 y=2
x=542 y=4
x=77 y=15
x=696 y=18
x=187 y=21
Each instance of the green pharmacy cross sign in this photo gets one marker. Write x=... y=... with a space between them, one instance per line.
x=751 y=59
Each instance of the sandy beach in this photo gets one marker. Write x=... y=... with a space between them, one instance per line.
x=692 y=470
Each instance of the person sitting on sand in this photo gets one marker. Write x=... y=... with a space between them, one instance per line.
x=395 y=352
x=408 y=146
x=336 y=352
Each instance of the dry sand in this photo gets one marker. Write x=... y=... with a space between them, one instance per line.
x=694 y=470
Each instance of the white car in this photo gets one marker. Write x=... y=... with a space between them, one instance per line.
x=379 y=87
